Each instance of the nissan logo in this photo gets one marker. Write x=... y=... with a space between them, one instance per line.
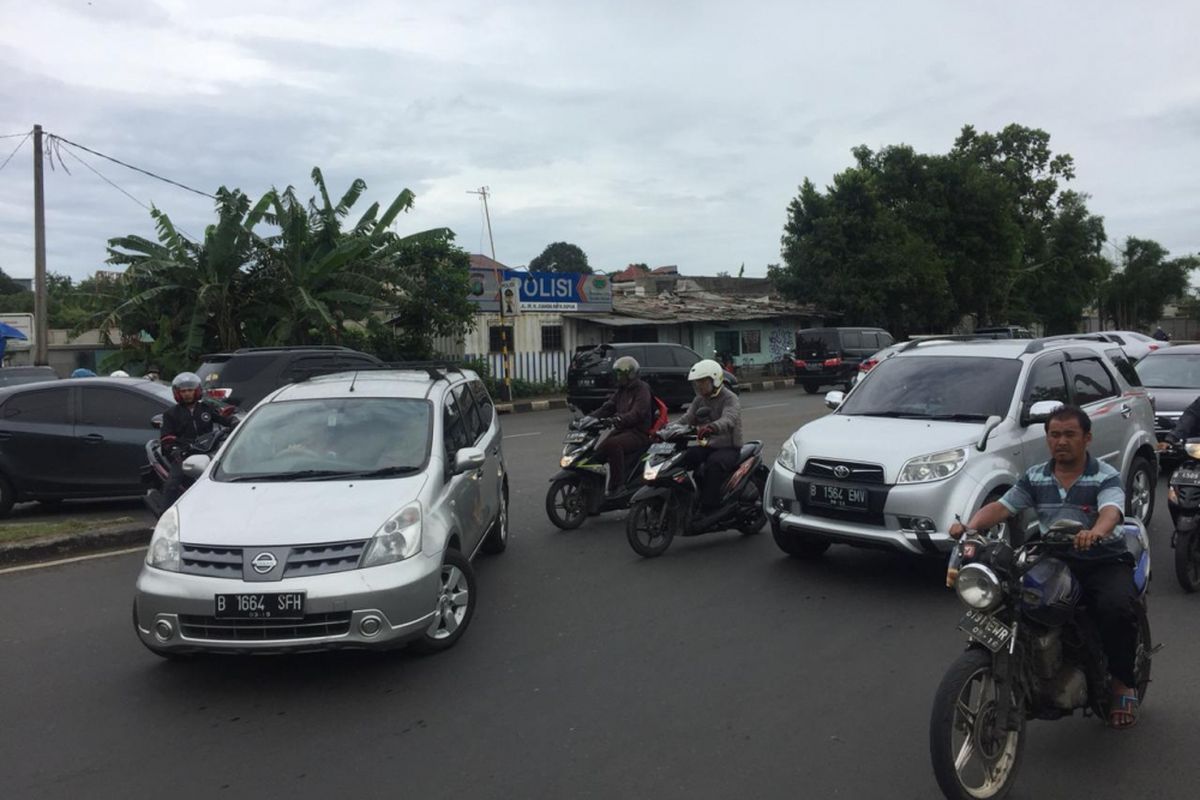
x=264 y=563
x=841 y=471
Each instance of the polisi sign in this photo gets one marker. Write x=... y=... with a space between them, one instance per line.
x=544 y=291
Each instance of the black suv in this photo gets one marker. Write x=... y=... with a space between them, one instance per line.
x=826 y=356
x=664 y=367
x=245 y=376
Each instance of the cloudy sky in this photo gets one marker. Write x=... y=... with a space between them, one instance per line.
x=662 y=132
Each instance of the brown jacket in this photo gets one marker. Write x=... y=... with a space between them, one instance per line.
x=631 y=405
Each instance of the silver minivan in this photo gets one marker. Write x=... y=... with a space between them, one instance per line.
x=343 y=512
x=940 y=428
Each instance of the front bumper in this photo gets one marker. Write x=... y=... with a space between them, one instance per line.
x=397 y=600
x=892 y=528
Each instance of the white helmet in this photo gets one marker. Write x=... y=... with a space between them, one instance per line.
x=119 y=374
x=707 y=368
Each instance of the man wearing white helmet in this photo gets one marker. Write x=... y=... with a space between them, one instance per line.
x=718 y=412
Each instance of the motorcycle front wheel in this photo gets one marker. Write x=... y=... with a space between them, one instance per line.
x=973 y=756
x=566 y=503
x=1187 y=560
x=650 y=526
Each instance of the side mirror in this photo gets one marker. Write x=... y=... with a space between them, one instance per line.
x=468 y=459
x=1041 y=411
x=992 y=423
x=194 y=466
x=835 y=399
x=156 y=421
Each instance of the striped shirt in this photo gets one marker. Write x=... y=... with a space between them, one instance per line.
x=1097 y=487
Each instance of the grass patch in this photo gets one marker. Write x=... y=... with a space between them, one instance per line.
x=20 y=531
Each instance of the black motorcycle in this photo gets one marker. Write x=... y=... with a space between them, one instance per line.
x=578 y=490
x=1183 y=501
x=1033 y=653
x=668 y=505
x=158 y=466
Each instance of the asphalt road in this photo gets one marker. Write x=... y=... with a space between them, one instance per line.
x=722 y=669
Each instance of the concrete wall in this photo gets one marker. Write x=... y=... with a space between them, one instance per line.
x=527 y=334
x=776 y=337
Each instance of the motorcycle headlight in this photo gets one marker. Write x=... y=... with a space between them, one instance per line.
x=397 y=539
x=978 y=587
x=653 y=469
x=933 y=467
x=787 y=456
x=1192 y=449
x=164 y=549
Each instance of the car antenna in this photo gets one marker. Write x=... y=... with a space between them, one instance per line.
x=353 y=380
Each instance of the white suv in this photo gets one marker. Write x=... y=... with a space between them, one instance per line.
x=943 y=427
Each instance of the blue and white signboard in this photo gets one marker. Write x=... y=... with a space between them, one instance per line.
x=543 y=291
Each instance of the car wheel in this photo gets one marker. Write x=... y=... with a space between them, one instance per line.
x=797 y=544
x=7 y=496
x=455 y=605
x=1139 y=491
x=497 y=539
x=812 y=387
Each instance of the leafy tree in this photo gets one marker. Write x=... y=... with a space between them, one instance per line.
x=1145 y=281
x=8 y=285
x=561 y=257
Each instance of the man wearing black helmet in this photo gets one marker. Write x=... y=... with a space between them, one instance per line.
x=629 y=410
x=182 y=424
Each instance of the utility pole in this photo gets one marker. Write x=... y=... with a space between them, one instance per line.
x=40 y=326
x=483 y=192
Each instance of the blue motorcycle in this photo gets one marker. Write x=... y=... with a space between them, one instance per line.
x=1033 y=653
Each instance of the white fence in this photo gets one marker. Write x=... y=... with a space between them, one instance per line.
x=534 y=367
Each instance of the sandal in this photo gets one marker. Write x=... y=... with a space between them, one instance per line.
x=1124 y=711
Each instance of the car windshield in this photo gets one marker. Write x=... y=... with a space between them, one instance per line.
x=1170 y=371
x=953 y=388
x=329 y=439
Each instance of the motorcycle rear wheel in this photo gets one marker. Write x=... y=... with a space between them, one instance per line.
x=973 y=757
x=646 y=535
x=1187 y=560
x=570 y=510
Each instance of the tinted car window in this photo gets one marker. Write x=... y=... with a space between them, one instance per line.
x=1170 y=371
x=1047 y=382
x=853 y=340
x=1090 y=381
x=1124 y=366
x=309 y=366
x=454 y=433
x=114 y=408
x=483 y=405
x=233 y=370
x=817 y=342
x=44 y=406
x=1112 y=337
x=885 y=339
x=466 y=406
x=636 y=352
x=955 y=388
x=659 y=357
x=684 y=357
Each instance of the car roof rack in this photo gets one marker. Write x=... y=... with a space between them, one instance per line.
x=434 y=369
x=952 y=337
x=337 y=348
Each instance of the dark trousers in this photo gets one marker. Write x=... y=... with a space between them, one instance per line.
x=615 y=450
x=719 y=463
x=1111 y=599
x=175 y=484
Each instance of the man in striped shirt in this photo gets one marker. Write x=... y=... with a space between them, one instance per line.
x=1073 y=485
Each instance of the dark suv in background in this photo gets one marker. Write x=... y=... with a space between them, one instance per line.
x=245 y=376
x=830 y=356
x=664 y=366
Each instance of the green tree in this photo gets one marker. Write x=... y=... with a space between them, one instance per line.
x=561 y=257
x=1144 y=281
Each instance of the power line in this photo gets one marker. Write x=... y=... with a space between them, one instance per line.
x=135 y=169
x=15 y=135
x=20 y=144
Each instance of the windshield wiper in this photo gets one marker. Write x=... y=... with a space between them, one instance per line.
x=304 y=474
x=383 y=472
x=889 y=414
x=961 y=417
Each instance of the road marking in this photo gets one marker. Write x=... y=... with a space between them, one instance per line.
x=769 y=405
x=522 y=435
x=60 y=562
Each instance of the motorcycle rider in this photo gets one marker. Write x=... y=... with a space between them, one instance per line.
x=720 y=433
x=185 y=422
x=630 y=409
x=1075 y=485
x=1161 y=335
x=1186 y=427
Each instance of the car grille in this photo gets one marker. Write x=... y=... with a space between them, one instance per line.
x=215 y=562
x=264 y=630
x=323 y=558
x=828 y=468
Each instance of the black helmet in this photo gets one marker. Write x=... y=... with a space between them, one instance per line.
x=626 y=369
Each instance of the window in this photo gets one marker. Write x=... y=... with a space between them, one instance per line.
x=658 y=357
x=454 y=430
x=1124 y=366
x=1090 y=381
x=636 y=353
x=752 y=341
x=728 y=343
x=483 y=405
x=685 y=357
x=853 y=340
x=305 y=368
x=466 y=404
x=1046 y=382
x=1112 y=337
x=494 y=337
x=953 y=388
x=552 y=337
x=113 y=408
x=884 y=339
x=43 y=406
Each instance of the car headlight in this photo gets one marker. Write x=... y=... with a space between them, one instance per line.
x=397 y=539
x=978 y=587
x=933 y=467
x=164 y=549
x=787 y=456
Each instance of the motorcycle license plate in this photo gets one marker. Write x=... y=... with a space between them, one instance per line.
x=575 y=438
x=986 y=629
x=840 y=497
x=270 y=605
x=1188 y=477
x=661 y=448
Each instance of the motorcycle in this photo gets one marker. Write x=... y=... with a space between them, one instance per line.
x=668 y=504
x=1033 y=653
x=158 y=466
x=1183 y=501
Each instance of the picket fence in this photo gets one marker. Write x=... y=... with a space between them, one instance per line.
x=534 y=367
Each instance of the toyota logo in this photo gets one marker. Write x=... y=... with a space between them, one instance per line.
x=264 y=563
x=841 y=471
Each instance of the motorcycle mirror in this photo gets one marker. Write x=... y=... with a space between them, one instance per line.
x=194 y=466
x=156 y=421
x=992 y=423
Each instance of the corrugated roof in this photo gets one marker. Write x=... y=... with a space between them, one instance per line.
x=672 y=309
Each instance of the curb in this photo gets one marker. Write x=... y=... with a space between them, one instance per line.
x=525 y=406
x=54 y=547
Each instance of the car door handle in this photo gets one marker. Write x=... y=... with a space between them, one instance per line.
x=1126 y=410
x=93 y=438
